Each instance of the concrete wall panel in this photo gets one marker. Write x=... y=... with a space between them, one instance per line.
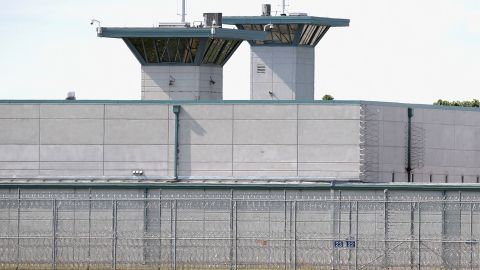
x=75 y=111
x=394 y=133
x=136 y=153
x=328 y=132
x=329 y=166
x=15 y=165
x=144 y=111
x=467 y=118
x=265 y=132
x=205 y=153
x=132 y=165
x=438 y=116
x=439 y=136
x=206 y=166
x=252 y=166
x=328 y=153
x=263 y=111
x=17 y=111
x=18 y=173
x=265 y=173
x=20 y=153
x=71 y=153
x=265 y=153
x=86 y=165
x=136 y=131
x=467 y=138
x=202 y=132
x=19 y=131
x=331 y=112
x=202 y=112
x=71 y=131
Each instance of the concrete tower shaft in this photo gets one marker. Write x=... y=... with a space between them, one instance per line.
x=181 y=62
x=283 y=65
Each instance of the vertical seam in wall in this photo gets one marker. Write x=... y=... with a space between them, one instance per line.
x=233 y=131
x=455 y=143
x=168 y=139
x=39 y=138
x=298 y=107
x=103 y=142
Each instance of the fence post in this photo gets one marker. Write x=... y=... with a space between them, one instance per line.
x=236 y=233
x=419 y=236
x=54 y=234
x=356 y=235
x=471 y=235
x=160 y=229
x=285 y=228
x=412 y=233
x=114 y=234
x=295 y=235
x=18 y=230
x=385 y=228
x=333 y=228
x=174 y=231
x=231 y=230
x=89 y=226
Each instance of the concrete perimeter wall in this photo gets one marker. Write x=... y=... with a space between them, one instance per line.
x=445 y=144
x=325 y=141
x=216 y=140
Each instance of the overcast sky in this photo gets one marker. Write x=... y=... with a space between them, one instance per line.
x=403 y=51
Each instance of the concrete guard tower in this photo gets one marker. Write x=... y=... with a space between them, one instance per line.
x=282 y=66
x=182 y=63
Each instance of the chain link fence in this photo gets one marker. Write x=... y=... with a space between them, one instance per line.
x=239 y=233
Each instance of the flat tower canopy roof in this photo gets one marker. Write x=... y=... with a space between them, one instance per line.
x=287 y=30
x=182 y=46
x=187 y=32
x=333 y=22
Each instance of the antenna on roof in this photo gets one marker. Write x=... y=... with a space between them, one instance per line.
x=284 y=9
x=183 y=11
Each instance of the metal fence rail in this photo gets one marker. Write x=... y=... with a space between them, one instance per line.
x=219 y=233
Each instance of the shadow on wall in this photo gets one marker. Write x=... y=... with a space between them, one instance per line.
x=187 y=127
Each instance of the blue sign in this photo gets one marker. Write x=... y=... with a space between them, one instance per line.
x=350 y=243
x=338 y=244
x=344 y=244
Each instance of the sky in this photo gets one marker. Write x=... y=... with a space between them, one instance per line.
x=400 y=51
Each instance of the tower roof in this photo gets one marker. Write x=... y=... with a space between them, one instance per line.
x=287 y=30
x=189 y=45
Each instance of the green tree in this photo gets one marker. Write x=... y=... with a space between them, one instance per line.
x=467 y=103
x=328 y=97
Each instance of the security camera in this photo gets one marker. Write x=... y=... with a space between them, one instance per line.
x=99 y=27
x=268 y=27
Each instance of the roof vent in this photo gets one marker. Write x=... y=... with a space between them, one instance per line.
x=261 y=68
x=71 y=96
x=266 y=10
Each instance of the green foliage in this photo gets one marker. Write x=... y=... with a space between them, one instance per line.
x=467 y=103
x=327 y=97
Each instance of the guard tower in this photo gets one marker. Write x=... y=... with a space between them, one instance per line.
x=282 y=66
x=182 y=62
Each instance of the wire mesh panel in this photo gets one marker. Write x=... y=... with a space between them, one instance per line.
x=262 y=230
